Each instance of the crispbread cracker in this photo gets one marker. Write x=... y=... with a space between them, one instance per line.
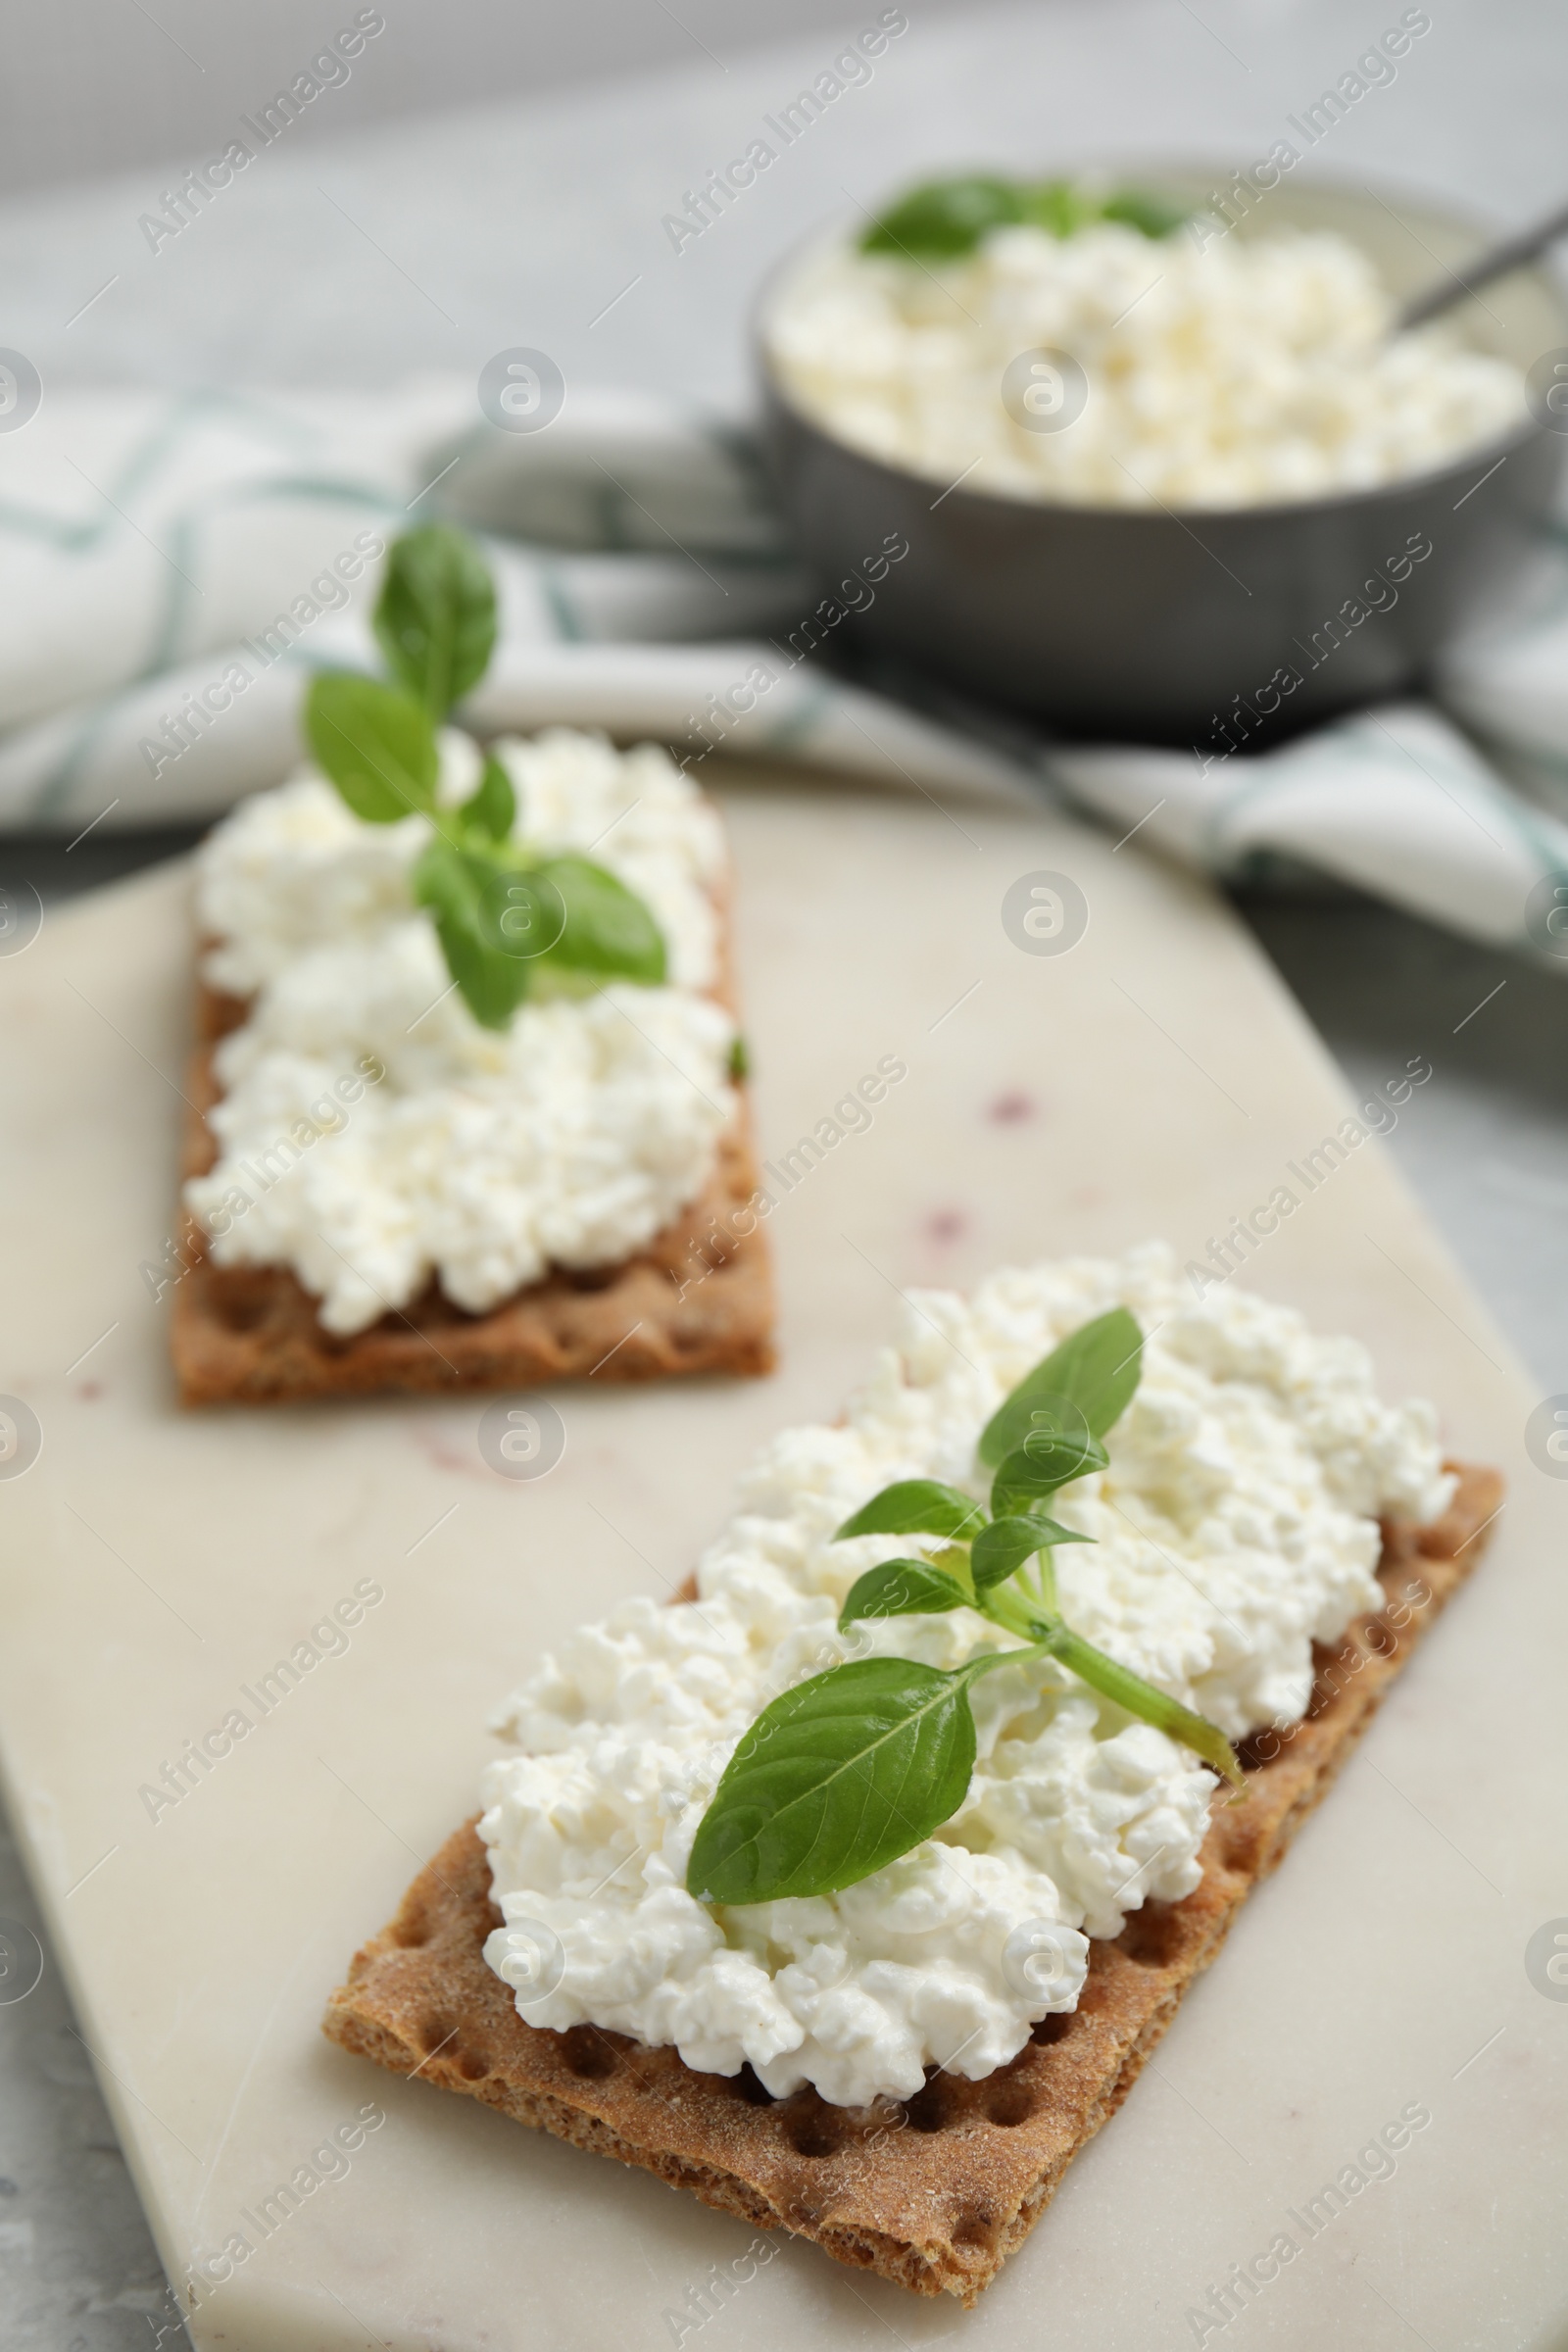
x=698 y=1298
x=935 y=2192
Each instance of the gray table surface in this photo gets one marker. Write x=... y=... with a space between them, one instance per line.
x=432 y=243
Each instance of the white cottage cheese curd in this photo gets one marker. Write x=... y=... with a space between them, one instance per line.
x=485 y=1157
x=1235 y=1524
x=1233 y=373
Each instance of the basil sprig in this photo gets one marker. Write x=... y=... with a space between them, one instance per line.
x=946 y=219
x=844 y=1773
x=510 y=921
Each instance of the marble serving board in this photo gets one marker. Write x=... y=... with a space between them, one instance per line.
x=1151 y=1078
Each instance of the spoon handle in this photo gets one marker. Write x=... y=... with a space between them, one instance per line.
x=1494 y=262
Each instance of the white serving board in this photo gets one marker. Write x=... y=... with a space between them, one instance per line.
x=1154 y=1079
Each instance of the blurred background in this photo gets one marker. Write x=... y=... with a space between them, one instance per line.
x=487 y=176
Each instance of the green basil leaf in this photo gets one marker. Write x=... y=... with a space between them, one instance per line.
x=1096 y=1368
x=607 y=930
x=494 y=924
x=493 y=808
x=376 y=745
x=835 y=1780
x=1001 y=1548
x=740 y=1060
x=904 y=1589
x=1056 y=205
x=948 y=217
x=1140 y=1698
x=452 y=884
x=435 y=619
x=944 y=217
x=1154 y=216
x=1034 y=1470
x=915 y=1507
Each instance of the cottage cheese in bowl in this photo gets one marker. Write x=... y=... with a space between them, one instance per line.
x=1215 y=370
x=1236 y=1524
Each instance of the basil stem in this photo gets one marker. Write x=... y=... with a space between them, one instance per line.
x=1140 y=1698
x=1046 y=1581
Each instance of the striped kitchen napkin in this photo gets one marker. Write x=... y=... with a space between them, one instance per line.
x=171 y=568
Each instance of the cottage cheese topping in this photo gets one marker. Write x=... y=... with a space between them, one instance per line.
x=483 y=1155
x=1230 y=373
x=1235 y=1524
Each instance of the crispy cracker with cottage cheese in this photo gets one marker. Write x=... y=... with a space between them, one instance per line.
x=903 y=2070
x=383 y=1193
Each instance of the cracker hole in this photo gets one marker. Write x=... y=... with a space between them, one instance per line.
x=1009 y=2104
x=587 y=2054
x=412 y=1932
x=1151 y=1936
x=931 y=2109
x=1054 y=2028
x=816 y=2134
x=1262 y=1747
x=473 y=2066
x=754 y=2092
x=433 y=2031
x=242 y=1315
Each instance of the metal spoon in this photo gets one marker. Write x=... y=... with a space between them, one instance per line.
x=1494 y=262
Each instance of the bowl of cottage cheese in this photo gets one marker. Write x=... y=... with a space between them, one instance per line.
x=1154 y=462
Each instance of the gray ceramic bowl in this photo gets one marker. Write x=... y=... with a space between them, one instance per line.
x=1145 y=625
